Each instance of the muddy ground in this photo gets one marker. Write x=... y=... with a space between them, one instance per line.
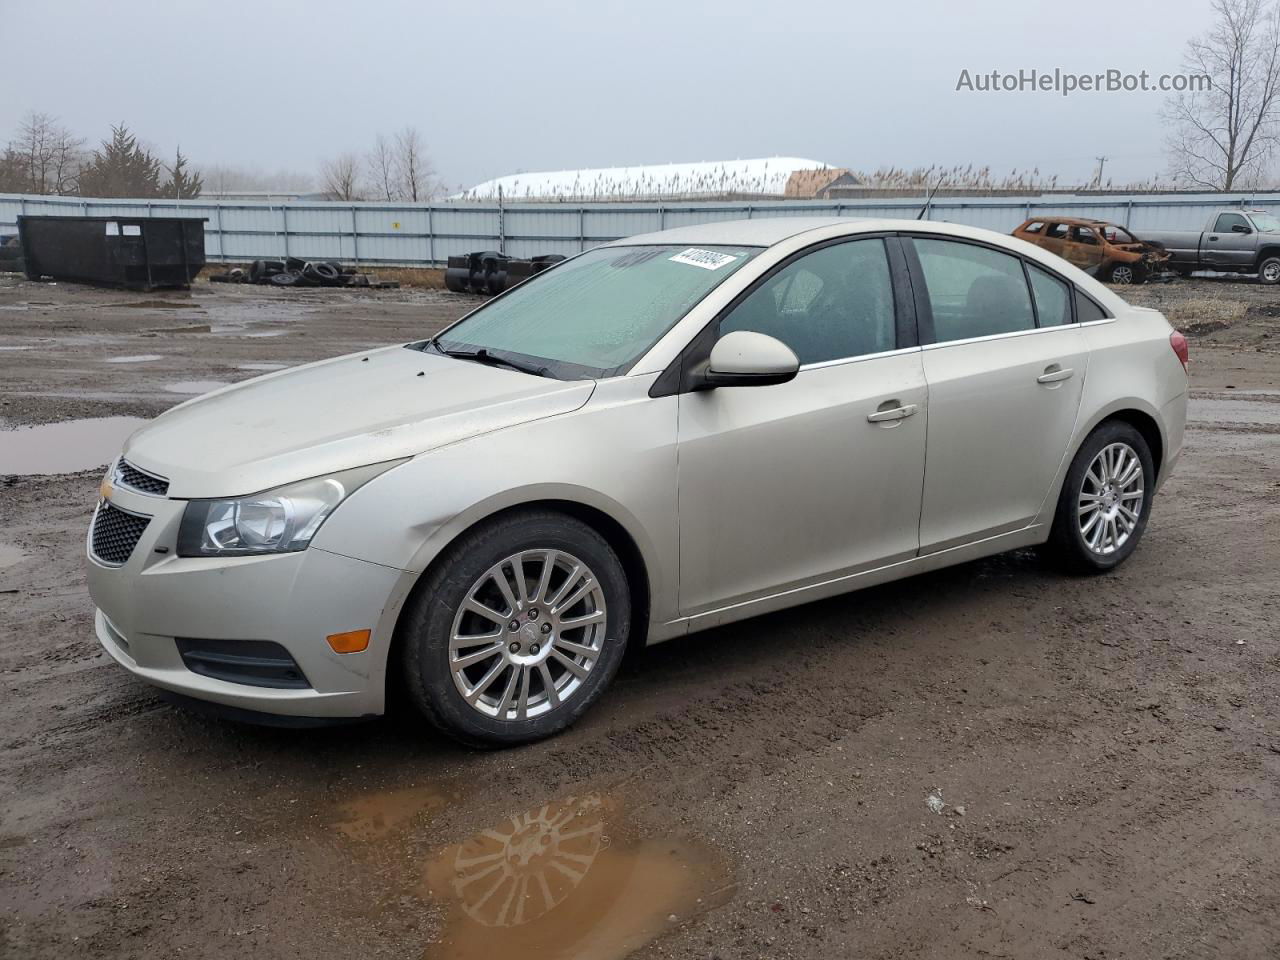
x=989 y=761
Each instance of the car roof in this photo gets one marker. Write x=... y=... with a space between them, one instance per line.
x=1074 y=221
x=757 y=232
x=771 y=231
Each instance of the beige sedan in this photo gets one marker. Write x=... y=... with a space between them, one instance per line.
x=660 y=435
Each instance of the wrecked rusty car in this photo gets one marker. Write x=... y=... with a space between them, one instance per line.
x=1101 y=249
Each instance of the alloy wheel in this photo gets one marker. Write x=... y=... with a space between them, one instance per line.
x=1111 y=499
x=1122 y=274
x=1271 y=271
x=528 y=634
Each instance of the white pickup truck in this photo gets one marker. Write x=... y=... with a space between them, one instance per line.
x=1233 y=241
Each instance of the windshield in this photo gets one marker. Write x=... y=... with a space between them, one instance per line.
x=595 y=315
x=1265 y=223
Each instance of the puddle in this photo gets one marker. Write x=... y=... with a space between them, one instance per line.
x=65 y=447
x=195 y=386
x=140 y=358
x=265 y=333
x=10 y=555
x=156 y=304
x=191 y=328
x=262 y=366
x=10 y=349
x=567 y=880
x=378 y=814
x=1238 y=410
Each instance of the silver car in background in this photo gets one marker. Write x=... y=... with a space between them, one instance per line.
x=660 y=435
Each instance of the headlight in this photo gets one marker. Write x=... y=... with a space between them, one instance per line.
x=282 y=520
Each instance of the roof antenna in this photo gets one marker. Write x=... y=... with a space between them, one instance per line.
x=928 y=201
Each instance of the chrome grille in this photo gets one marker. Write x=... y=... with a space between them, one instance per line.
x=127 y=475
x=115 y=533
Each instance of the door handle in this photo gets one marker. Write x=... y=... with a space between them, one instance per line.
x=900 y=412
x=1055 y=374
x=1213 y=239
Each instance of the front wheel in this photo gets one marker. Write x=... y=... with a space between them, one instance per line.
x=1269 y=271
x=1127 y=273
x=1105 y=501
x=517 y=629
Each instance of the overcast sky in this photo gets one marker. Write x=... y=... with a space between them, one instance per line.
x=498 y=87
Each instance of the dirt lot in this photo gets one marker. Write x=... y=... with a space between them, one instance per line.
x=993 y=760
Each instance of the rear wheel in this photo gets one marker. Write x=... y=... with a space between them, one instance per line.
x=1105 y=501
x=517 y=630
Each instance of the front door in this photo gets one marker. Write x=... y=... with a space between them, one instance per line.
x=788 y=485
x=1225 y=247
x=1005 y=377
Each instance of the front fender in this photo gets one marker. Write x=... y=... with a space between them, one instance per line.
x=616 y=455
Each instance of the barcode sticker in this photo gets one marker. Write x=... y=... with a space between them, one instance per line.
x=706 y=259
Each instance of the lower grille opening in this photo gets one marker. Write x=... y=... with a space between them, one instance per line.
x=257 y=663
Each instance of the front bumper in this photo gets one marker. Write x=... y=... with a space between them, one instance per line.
x=293 y=599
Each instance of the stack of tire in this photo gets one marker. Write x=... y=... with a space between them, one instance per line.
x=11 y=255
x=488 y=272
x=293 y=272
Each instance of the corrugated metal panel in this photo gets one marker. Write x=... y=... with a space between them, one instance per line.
x=429 y=233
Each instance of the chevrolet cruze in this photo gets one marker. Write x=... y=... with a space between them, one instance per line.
x=660 y=435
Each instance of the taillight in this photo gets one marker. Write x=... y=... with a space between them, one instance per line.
x=1179 y=344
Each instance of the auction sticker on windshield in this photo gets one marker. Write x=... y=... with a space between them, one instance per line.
x=707 y=259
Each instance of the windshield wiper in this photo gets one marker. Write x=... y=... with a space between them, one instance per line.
x=484 y=356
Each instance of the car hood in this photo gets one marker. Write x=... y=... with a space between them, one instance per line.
x=337 y=414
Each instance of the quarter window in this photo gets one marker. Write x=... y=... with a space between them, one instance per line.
x=1086 y=310
x=834 y=303
x=974 y=291
x=1053 y=298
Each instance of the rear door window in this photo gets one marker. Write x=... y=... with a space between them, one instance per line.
x=974 y=291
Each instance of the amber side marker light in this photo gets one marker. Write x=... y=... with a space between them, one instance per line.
x=353 y=641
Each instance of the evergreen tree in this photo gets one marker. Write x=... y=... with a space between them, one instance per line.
x=121 y=168
x=182 y=185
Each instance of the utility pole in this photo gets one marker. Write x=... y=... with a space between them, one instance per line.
x=1101 y=162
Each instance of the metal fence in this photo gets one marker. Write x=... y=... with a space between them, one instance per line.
x=426 y=234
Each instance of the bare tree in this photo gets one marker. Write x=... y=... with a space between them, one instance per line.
x=51 y=157
x=413 y=166
x=340 y=177
x=1223 y=136
x=381 y=161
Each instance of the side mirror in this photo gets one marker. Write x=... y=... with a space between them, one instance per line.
x=747 y=359
x=1240 y=228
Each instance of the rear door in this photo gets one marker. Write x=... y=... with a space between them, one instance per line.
x=1005 y=371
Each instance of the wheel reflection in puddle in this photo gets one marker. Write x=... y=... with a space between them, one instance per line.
x=567 y=880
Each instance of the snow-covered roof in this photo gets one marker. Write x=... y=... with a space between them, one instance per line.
x=766 y=176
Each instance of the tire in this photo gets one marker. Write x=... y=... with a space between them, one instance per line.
x=466 y=570
x=283 y=279
x=1074 y=540
x=1124 y=273
x=322 y=272
x=1269 y=271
